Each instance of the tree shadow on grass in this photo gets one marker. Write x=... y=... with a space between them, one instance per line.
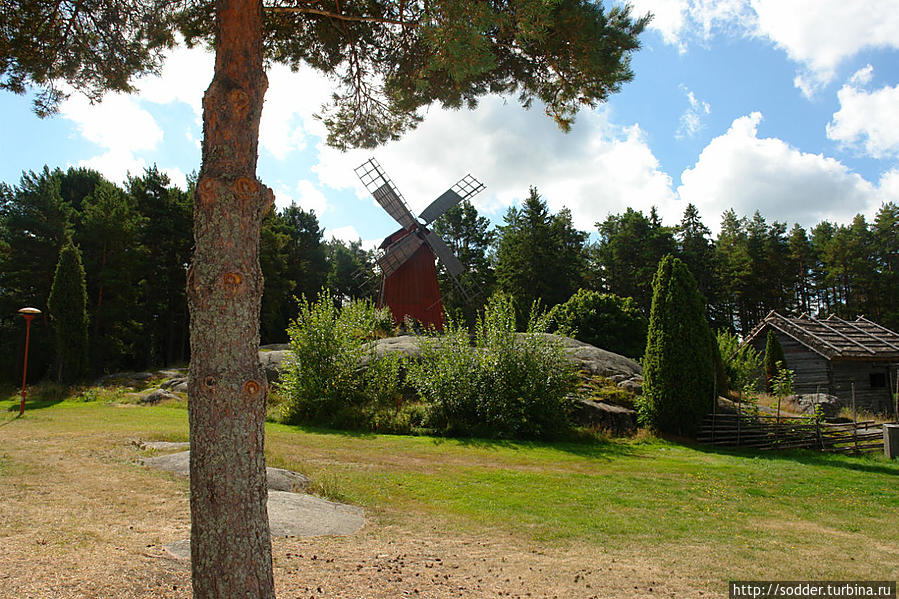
x=868 y=463
x=35 y=404
x=585 y=446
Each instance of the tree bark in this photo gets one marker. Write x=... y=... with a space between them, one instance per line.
x=230 y=542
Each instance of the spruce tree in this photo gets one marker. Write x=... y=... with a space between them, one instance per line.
x=774 y=353
x=679 y=369
x=68 y=308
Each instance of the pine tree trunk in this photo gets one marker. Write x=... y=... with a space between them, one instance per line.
x=230 y=543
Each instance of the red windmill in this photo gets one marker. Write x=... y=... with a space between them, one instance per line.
x=409 y=284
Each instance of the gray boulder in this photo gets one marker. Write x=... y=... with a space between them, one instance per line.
x=155 y=396
x=595 y=360
x=171 y=384
x=830 y=404
x=585 y=356
x=123 y=378
x=274 y=347
x=632 y=385
x=273 y=363
x=617 y=420
x=278 y=479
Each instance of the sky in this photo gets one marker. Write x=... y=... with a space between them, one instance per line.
x=788 y=107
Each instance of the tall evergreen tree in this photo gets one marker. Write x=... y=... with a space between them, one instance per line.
x=293 y=261
x=885 y=233
x=470 y=238
x=696 y=249
x=68 y=308
x=629 y=250
x=351 y=271
x=539 y=255
x=392 y=59
x=165 y=236
x=36 y=224
x=678 y=366
x=108 y=234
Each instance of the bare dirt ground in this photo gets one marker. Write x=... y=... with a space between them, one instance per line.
x=81 y=518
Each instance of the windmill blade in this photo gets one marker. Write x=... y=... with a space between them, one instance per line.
x=444 y=253
x=385 y=193
x=465 y=188
x=398 y=253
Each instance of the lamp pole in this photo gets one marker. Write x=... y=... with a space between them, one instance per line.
x=28 y=314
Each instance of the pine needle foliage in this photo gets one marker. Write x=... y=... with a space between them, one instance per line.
x=68 y=308
x=678 y=367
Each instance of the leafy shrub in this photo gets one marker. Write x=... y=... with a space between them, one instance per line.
x=505 y=385
x=678 y=368
x=741 y=365
x=323 y=382
x=604 y=320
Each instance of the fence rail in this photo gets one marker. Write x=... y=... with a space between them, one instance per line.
x=767 y=432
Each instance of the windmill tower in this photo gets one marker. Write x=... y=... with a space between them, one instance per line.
x=409 y=285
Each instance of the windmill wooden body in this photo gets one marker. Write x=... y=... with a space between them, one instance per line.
x=409 y=285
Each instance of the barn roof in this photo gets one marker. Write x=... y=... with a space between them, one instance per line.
x=835 y=338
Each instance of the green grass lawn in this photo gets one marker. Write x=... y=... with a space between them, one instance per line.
x=796 y=515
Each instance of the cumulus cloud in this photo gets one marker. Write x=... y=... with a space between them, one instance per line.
x=867 y=120
x=304 y=194
x=291 y=100
x=817 y=34
x=742 y=171
x=185 y=75
x=691 y=121
x=119 y=126
x=597 y=169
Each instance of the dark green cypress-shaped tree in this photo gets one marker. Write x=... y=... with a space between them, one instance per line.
x=679 y=369
x=774 y=353
x=68 y=308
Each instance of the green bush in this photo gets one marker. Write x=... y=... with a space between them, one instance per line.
x=678 y=368
x=604 y=320
x=504 y=385
x=741 y=365
x=323 y=382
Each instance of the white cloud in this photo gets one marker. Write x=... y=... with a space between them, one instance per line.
x=304 y=194
x=115 y=166
x=595 y=170
x=668 y=17
x=119 y=126
x=821 y=34
x=740 y=170
x=691 y=120
x=862 y=76
x=817 y=34
x=290 y=102
x=176 y=176
x=868 y=119
x=186 y=73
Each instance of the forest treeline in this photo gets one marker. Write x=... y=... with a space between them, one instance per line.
x=135 y=242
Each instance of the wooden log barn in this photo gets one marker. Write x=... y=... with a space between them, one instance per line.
x=830 y=355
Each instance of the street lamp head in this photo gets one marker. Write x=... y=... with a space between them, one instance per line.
x=29 y=311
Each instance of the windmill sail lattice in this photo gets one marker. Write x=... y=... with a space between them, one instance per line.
x=409 y=284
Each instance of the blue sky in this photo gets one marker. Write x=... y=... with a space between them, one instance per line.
x=790 y=107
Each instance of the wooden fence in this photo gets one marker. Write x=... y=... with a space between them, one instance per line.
x=766 y=432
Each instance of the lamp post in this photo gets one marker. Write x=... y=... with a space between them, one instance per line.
x=28 y=314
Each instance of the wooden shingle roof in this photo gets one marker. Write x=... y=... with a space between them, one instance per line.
x=835 y=338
